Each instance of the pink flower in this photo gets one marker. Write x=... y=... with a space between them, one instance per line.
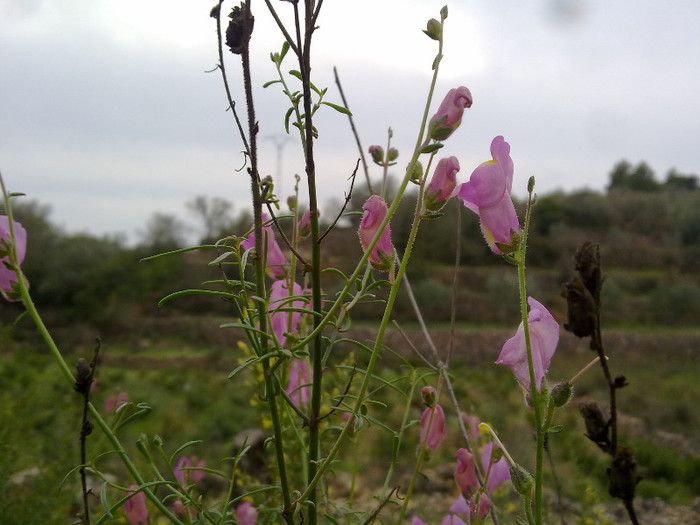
x=246 y=514
x=437 y=429
x=487 y=193
x=112 y=403
x=305 y=223
x=135 y=507
x=443 y=183
x=500 y=471
x=449 y=114
x=276 y=264
x=544 y=336
x=300 y=378
x=281 y=321
x=7 y=276
x=382 y=256
x=472 y=424
x=183 y=474
x=465 y=473
x=451 y=519
x=181 y=511
x=468 y=508
x=377 y=154
x=417 y=521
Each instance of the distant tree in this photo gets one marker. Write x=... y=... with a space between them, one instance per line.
x=638 y=178
x=163 y=232
x=678 y=182
x=214 y=214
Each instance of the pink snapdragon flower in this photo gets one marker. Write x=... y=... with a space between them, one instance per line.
x=246 y=514
x=382 y=255
x=487 y=193
x=465 y=473
x=184 y=475
x=437 y=430
x=544 y=337
x=500 y=471
x=135 y=507
x=449 y=115
x=300 y=378
x=7 y=276
x=305 y=223
x=112 y=403
x=468 y=508
x=443 y=183
x=283 y=322
x=276 y=264
x=472 y=425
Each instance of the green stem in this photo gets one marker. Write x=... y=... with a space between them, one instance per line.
x=535 y=394
x=404 y=421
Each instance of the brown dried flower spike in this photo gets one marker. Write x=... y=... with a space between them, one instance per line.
x=239 y=28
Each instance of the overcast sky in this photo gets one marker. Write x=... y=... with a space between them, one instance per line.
x=107 y=113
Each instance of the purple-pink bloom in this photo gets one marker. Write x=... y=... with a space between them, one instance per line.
x=449 y=115
x=451 y=519
x=282 y=321
x=443 y=183
x=246 y=514
x=487 y=193
x=183 y=474
x=382 y=255
x=465 y=473
x=300 y=378
x=417 y=521
x=276 y=264
x=500 y=471
x=305 y=223
x=7 y=276
x=544 y=337
x=472 y=424
x=437 y=429
x=468 y=508
x=135 y=507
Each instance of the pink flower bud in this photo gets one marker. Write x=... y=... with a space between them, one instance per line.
x=276 y=264
x=7 y=276
x=377 y=153
x=429 y=396
x=465 y=473
x=300 y=378
x=305 y=223
x=443 y=183
x=283 y=322
x=449 y=114
x=135 y=507
x=382 y=255
x=434 y=435
x=246 y=514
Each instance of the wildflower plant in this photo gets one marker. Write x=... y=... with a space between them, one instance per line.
x=317 y=400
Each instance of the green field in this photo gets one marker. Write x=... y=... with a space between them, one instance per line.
x=191 y=398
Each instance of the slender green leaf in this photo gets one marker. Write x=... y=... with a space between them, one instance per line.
x=339 y=109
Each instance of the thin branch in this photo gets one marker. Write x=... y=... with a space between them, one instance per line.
x=354 y=130
x=216 y=13
x=414 y=348
x=348 y=196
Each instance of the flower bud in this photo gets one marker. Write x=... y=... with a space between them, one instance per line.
x=392 y=155
x=305 y=223
x=449 y=115
x=292 y=202
x=377 y=153
x=434 y=29
x=443 y=184
x=562 y=393
x=429 y=396
x=382 y=255
x=521 y=479
x=417 y=173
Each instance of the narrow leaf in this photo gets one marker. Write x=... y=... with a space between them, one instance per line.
x=339 y=109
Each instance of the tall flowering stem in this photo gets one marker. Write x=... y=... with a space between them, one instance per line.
x=537 y=398
x=420 y=143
